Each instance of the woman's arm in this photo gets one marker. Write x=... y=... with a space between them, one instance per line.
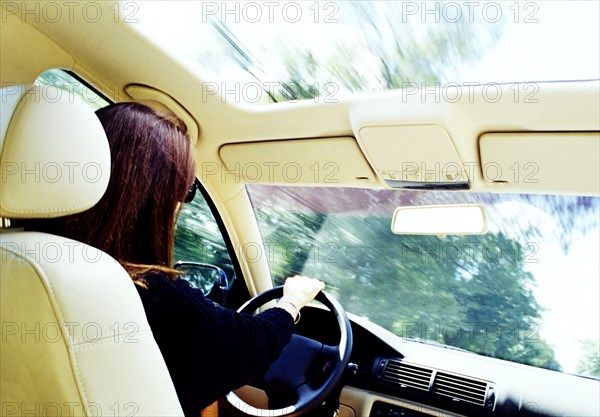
x=211 y=350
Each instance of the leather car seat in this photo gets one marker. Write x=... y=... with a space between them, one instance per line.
x=75 y=338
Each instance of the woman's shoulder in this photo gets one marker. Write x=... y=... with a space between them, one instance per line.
x=156 y=277
x=163 y=288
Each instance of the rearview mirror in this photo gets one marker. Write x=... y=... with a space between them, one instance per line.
x=442 y=220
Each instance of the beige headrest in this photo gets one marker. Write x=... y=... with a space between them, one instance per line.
x=55 y=158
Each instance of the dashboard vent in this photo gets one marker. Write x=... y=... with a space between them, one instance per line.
x=405 y=374
x=460 y=388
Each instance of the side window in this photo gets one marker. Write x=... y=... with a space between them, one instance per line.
x=198 y=238
x=73 y=87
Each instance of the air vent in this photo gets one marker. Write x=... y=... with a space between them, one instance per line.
x=457 y=388
x=405 y=374
x=460 y=388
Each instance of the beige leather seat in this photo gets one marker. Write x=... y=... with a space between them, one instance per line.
x=75 y=339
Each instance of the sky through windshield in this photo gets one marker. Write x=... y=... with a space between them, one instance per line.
x=265 y=52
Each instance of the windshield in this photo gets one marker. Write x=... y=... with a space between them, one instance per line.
x=266 y=52
x=526 y=291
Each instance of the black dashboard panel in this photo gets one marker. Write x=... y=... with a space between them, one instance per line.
x=505 y=388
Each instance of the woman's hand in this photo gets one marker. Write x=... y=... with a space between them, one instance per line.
x=298 y=291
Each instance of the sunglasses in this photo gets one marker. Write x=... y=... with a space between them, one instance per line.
x=192 y=191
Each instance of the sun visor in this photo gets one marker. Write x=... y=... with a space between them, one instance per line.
x=414 y=156
x=545 y=162
x=323 y=161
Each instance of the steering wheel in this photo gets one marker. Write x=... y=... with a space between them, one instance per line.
x=307 y=371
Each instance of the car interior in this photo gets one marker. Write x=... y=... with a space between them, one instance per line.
x=455 y=222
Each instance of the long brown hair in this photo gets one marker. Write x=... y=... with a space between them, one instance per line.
x=151 y=172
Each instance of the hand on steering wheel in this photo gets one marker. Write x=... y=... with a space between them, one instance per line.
x=293 y=374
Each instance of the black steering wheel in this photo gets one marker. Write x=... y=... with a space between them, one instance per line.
x=307 y=371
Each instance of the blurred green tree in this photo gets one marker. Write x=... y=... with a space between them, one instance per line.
x=589 y=364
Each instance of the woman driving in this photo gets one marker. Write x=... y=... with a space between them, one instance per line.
x=209 y=350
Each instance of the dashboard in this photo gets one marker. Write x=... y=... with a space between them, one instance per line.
x=398 y=377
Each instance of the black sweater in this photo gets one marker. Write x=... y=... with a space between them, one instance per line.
x=210 y=350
